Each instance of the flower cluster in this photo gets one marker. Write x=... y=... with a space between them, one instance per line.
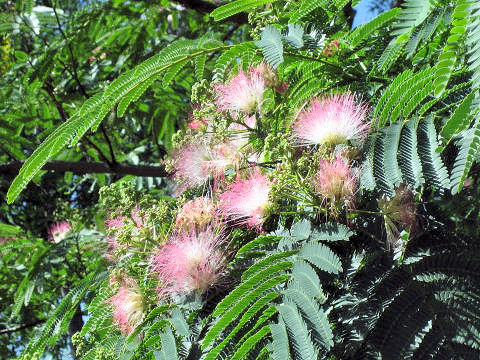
x=222 y=184
x=128 y=305
x=59 y=231
x=243 y=93
x=246 y=201
x=331 y=120
x=190 y=261
x=336 y=182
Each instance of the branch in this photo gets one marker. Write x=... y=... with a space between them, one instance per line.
x=205 y=7
x=85 y=167
x=21 y=327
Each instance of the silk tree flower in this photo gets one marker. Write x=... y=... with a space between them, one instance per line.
x=336 y=183
x=128 y=306
x=331 y=120
x=59 y=231
x=399 y=213
x=194 y=164
x=246 y=201
x=135 y=225
x=265 y=71
x=196 y=213
x=243 y=93
x=190 y=262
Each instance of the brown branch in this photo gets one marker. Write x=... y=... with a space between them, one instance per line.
x=21 y=327
x=85 y=167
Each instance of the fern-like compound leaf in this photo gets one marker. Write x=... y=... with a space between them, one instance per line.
x=470 y=142
x=236 y=309
x=460 y=118
x=303 y=346
x=250 y=343
x=448 y=57
x=271 y=45
x=305 y=277
x=433 y=167
x=365 y=30
x=413 y=14
x=322 y=257
x=294 y=36
x=314 y=316
x=227 y=57
x=280 y=344
x=408 y=158
x=236 y=7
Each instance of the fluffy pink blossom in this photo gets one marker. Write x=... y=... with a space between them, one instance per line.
x=243 y=93
x=59 y=231
x=336 y=182
x=246 y=201
x=128 y=306
x=190 y=261
x=196 y=213
x=331 y=120
x=197 y=163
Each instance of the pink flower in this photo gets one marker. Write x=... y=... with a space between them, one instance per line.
x=197 y=163
x=5 y=239
x=243 y=93
x=59 y=231
x=128 y=306
x=336 y=182
x=281 y=88
x=246 y=201
x=115 y=224
x=331 y=120
x=189 y=262
x=195 y=213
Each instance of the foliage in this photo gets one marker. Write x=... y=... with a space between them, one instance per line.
x=351 y=247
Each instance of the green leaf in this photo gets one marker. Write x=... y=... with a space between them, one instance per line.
x=433 y=167
x=280 y=343
x=250 y=343
x=271 y=45
x=235 y=310
x=460 y=118
x=236 y=7
x=297 y=330
x=322 y=257
x=413 y=14
x=331 y=232
x=470 y=144
x=294 y=36
x=364 y=31
x=305 y=8
x=9 y=230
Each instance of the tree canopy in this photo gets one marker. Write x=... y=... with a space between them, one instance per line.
x=243 y=179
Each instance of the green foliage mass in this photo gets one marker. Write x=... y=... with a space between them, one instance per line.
x=388 y=269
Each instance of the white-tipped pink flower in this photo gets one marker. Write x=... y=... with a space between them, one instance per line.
x=331 y=120
x=190 y=261
x=59 y=231
x=336 y=182
x=128 y=305
x=197 y=163
x=196 y=213
x=243 y=93
x=246 y=201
